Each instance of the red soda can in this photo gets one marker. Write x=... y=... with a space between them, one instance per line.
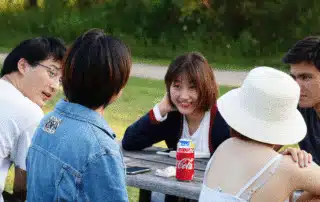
x=185 y=160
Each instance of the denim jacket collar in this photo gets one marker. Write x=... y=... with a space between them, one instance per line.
x=83 y=113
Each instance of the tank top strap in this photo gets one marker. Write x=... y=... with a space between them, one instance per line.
x=261 y=171
x=207 y=169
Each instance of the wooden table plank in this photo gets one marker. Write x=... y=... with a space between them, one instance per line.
x=149 y=154
x=150 y=181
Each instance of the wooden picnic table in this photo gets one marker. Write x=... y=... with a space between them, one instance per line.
x=171 y=186
x=152 y=182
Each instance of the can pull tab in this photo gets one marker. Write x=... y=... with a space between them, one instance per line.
x=192 y=145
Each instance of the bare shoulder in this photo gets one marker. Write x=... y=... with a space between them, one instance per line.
x=227 y=143
x=288 y=164
x=225 y=148
x=289 y=171
x=290 y=167
x=299 y=177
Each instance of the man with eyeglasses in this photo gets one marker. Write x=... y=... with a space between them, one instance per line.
x=30 y=76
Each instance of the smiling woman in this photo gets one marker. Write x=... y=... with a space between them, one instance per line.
x=190 y=76
x=187 y=110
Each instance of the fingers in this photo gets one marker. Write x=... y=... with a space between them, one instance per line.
x=302 y=157
x=301 y=160
x=310 y=158
x=294 y=154
x=306 y=158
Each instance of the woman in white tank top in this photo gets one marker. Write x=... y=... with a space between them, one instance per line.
x=262 y=114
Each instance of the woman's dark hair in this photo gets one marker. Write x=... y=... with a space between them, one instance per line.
x=200 y=73
x=95 y=68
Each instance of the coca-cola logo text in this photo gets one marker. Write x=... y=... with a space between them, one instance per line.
x=185 y=163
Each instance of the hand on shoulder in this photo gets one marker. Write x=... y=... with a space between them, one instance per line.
x=303 y=158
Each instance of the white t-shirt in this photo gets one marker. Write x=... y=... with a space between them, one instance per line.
x=19 y=117
x=200 y=138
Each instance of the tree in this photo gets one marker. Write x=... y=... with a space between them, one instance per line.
x=88 y=3
x=31 y=3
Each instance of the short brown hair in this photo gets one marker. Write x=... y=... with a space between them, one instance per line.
x=95 y=68
x=198 y=70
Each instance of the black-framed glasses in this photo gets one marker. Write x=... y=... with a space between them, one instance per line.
x=51 y=71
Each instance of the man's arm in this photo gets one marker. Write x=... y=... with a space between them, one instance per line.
x=20 y=184
x=8 y=131
x=18 y=156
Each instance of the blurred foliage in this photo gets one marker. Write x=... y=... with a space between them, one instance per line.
x=218 y=28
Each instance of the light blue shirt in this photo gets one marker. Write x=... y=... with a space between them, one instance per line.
x=74 y=157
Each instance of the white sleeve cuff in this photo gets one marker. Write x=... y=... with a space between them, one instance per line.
x=157 y=114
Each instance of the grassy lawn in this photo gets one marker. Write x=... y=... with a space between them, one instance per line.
x=219 y=63
x=232 y=64
x=141 y=55
x=139 y=96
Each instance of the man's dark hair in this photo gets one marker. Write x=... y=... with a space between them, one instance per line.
x=34 y=51
x=305 y=50
x=95 y=68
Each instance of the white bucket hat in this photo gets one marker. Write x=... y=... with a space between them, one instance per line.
x=264 y=108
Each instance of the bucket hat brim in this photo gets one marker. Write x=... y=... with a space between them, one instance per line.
x=285 y=132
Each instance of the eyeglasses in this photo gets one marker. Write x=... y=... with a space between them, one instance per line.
x=53 y=73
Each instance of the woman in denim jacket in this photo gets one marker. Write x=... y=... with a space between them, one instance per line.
x=73 y=156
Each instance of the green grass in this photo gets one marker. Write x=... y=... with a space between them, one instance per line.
x=138 y=97
x=220 y=62
x=223 y=63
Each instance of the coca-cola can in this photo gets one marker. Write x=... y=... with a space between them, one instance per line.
x=185 y=160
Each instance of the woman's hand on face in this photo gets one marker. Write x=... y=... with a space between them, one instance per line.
x=165 y=106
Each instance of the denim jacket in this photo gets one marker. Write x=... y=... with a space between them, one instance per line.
x=74 y=157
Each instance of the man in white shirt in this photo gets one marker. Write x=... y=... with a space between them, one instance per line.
x=30 y=76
